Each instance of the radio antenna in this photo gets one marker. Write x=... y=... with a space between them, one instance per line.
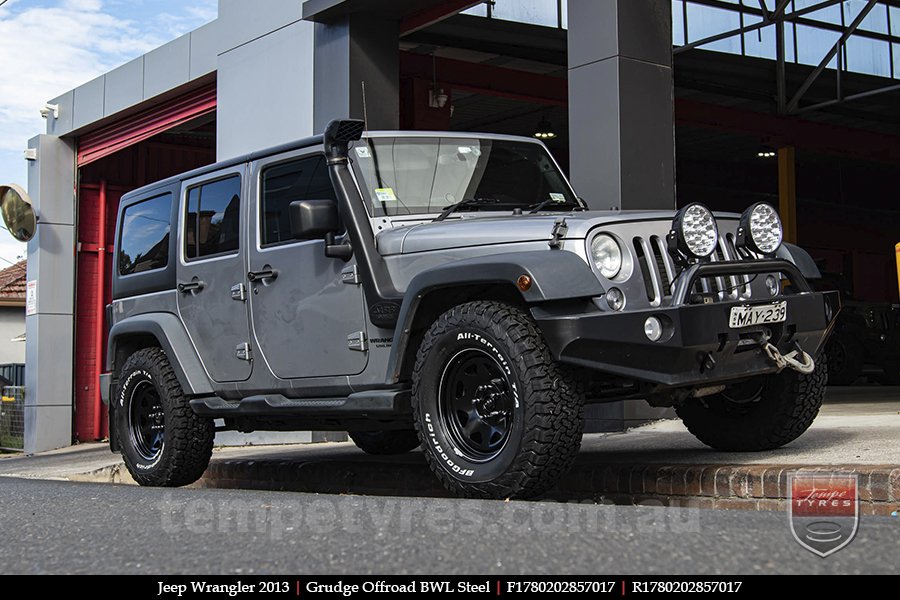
x=365 y=110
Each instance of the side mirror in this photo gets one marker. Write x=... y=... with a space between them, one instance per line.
x=319 y=219
x=313 y=219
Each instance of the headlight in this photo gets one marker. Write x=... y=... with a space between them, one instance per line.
x=760 y=229
x=607 y=255
x=696 y=231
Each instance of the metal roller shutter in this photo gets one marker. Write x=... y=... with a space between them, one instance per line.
x=108 y=140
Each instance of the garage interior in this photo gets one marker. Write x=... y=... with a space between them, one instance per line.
x=177 y=136
x=830 y=162
x=839 y=150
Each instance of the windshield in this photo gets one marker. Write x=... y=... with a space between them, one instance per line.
x=416 y=175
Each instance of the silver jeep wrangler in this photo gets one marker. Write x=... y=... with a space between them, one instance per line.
x=448 y=291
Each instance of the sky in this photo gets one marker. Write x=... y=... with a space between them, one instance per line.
x=48 y=47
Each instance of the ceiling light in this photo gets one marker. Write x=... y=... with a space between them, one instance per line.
x=545 y=130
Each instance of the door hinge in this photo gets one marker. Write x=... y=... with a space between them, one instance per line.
x=350 y=276
x=239 y=292
x=242 y=351
x=358 y=341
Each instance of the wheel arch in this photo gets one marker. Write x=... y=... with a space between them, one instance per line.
x=165 y=331
x=554 y=276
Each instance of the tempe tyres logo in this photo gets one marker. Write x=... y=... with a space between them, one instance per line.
x=824 y=510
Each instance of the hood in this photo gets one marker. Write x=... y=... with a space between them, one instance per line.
x=487 y=229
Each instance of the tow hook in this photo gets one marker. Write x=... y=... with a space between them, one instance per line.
x=797 y=360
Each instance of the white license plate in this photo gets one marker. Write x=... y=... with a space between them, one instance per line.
x=747 y=316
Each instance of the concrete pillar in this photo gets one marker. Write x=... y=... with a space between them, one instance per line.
x=349 y=51
x=49 y=352
x=621 y=110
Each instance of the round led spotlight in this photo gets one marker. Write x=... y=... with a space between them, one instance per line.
x=760 y=229
x=696 y=231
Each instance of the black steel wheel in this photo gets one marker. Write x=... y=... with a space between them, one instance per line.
x=476 y=402
x=496 y=415
x=146 y=420
x=163 y=442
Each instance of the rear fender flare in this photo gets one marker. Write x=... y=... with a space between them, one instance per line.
x=173 y=339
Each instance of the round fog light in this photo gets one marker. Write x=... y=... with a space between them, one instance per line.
x=653 y=329
x=773 y=285
x=615 y=298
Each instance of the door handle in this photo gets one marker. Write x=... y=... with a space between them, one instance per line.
x=265 y=274
x=192 y=286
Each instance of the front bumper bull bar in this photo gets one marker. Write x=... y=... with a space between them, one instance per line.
x=699 y=347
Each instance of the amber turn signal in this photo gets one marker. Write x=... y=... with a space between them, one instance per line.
x=524 y=282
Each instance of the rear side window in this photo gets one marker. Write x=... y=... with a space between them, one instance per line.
x=212 y=219
x=144 y=245
x=305 y=179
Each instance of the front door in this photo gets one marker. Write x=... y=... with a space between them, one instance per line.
x=211 y=271
x=307 y=316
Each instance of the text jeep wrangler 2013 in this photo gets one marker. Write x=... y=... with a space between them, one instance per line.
x=449 y=291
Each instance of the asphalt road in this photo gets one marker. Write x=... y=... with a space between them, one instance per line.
x=67 y=527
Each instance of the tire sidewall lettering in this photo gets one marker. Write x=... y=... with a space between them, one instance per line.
x=123 y=424
x=437 y=441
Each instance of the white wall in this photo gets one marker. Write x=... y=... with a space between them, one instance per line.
x=12 y=324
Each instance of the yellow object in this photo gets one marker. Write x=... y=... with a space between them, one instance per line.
x=897 y=255
x=8 y=399
x=787 y=193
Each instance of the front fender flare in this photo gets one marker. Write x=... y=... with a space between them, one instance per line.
x=174 y=341
x=555 y=275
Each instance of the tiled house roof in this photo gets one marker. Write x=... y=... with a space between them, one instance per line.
x=12 y=283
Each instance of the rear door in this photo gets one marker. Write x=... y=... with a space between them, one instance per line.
x=308 y=317
x=212 y=271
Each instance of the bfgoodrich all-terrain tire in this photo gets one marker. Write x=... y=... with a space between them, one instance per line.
x=163 y=442
x=386 y=442
x=497 y=416
x=761 y=414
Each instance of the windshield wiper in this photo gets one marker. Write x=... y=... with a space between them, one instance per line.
x=544 y=204
x=467 y=203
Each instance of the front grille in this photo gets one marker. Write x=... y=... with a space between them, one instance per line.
x=659 y=271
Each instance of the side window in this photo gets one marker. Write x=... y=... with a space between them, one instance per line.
x=212 y=218
x=144 y=245
x=305 y=179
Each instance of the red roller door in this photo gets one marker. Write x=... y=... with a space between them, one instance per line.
x=103 y=142
x=131 y=167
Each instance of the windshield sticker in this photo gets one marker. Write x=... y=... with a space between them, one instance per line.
x=363 y=152
x=385 y=195
x=557 y=198
x=476 y=152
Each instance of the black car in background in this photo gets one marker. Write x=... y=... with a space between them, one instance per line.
x=866 y=338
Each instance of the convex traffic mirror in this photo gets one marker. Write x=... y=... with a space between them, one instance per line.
x=18 y=214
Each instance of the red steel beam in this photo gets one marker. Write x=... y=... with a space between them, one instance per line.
x=100 y=309
x=491 y=80
x=486 y=79
x=430 y=16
